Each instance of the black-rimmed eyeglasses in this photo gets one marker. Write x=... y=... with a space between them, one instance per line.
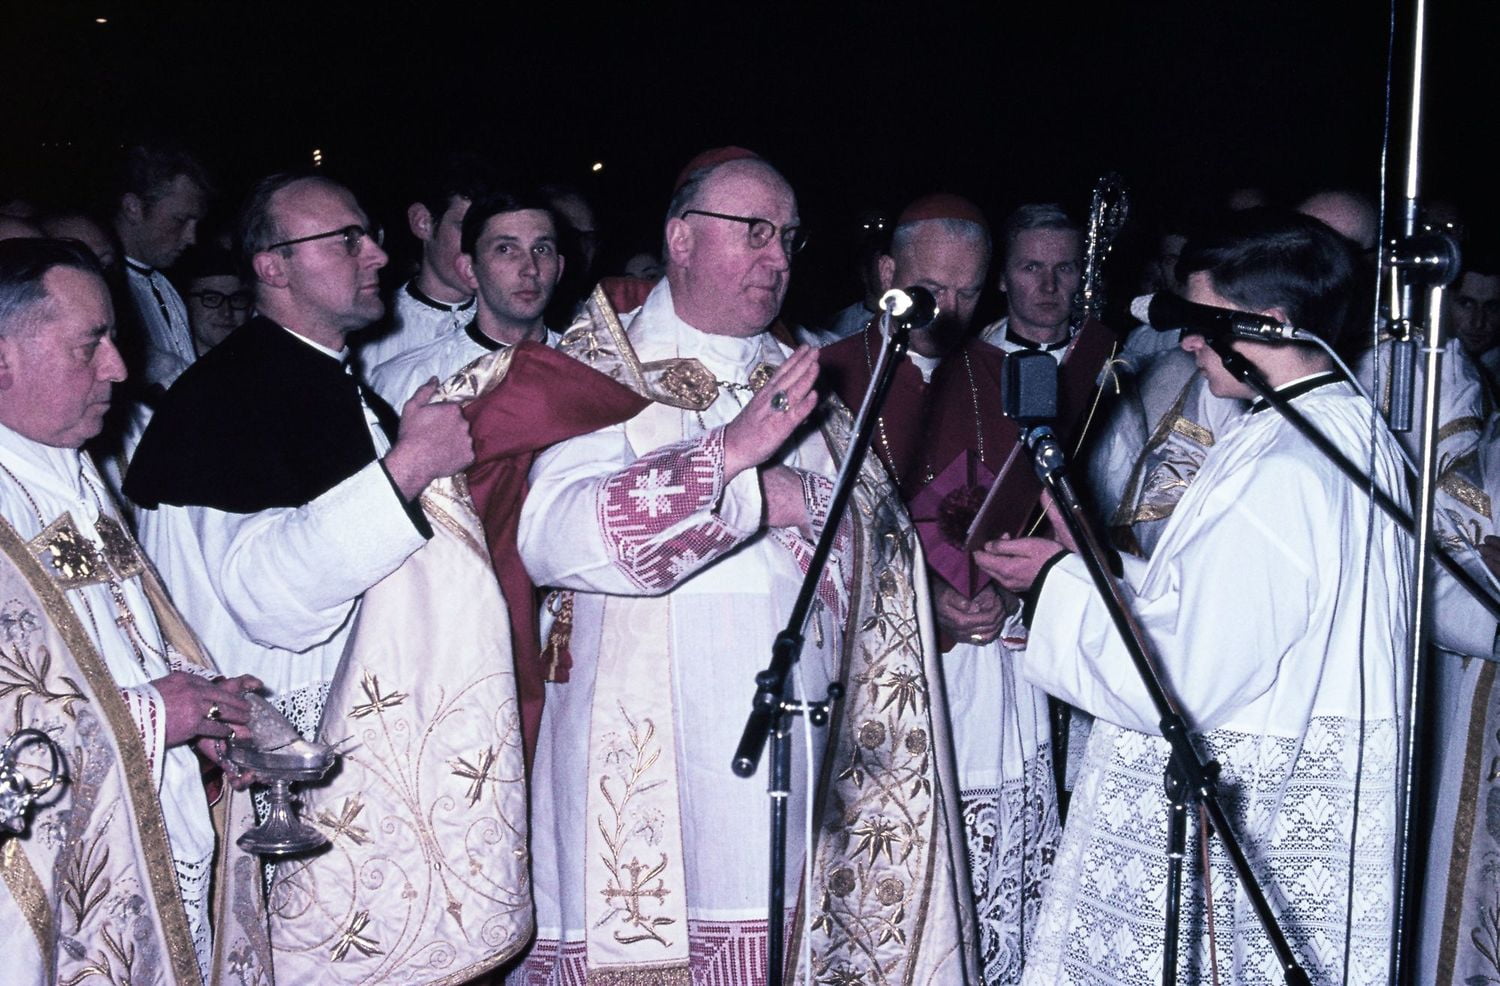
x=762 y=231
x=354 y=239
x=239 y=301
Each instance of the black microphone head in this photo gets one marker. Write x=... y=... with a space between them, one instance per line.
x=1028 y=387
x=924 y=307
x=1165 y=311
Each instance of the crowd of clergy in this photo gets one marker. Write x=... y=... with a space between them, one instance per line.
x=513 y=530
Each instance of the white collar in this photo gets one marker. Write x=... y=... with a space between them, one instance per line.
x=342 y=355
x=718 y=352
x=57 y=473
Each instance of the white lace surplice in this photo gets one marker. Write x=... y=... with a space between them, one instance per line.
x=1002 y=747
x=1276 y=605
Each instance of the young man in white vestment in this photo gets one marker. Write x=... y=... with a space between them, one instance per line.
x=684 y=533
x=1276 y=601
x=436 y=302
x=116 y=876
x=509 y=258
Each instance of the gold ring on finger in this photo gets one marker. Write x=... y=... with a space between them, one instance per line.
x=212 y=715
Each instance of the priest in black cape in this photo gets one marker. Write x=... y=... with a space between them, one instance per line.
x=276 y=488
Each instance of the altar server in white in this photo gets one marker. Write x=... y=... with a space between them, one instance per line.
x=1276 y=601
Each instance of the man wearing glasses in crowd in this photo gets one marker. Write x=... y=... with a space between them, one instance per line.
x=218 y=301
x=276 y=489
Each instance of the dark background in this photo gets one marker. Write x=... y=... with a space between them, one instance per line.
x=859 y=104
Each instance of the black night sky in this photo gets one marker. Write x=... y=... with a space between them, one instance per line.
x=859 y=103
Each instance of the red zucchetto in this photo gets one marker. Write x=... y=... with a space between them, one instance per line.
x=941 y=205
x=709 y=159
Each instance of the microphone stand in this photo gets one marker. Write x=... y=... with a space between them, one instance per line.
x=1188 y=776
x=1417 y=260
x=773 y=707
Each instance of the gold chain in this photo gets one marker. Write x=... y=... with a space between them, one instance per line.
x=126 y=620
x=890 y=459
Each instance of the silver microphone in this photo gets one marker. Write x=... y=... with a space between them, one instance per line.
x=915 y=306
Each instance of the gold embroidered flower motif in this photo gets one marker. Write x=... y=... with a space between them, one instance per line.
x=916 y=742
x=844 y=975
x=17 y=622
x=890 y=891
x=906 y=689
x=876 y=836
x=872 y=735
x=841 y=882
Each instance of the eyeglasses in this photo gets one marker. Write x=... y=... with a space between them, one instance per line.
x=762 y=231
x=354 y=239
x=239 y=301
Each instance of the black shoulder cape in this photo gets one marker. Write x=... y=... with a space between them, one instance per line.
x=262 y=421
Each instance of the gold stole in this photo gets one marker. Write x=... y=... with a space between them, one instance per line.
x=891 y=901
x=635 y=880
x=1470 y=896
x=100 y=848
x=426 y=880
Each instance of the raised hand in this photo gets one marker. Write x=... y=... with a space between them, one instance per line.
x=764 y=424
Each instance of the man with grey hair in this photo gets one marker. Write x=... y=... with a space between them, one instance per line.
x=684 y=534
x=118 y=866
x=942 y=435
x=1041 y=270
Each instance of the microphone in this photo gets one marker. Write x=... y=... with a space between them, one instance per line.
x=1165 y=311
x=1028 y=388
x=915 y=306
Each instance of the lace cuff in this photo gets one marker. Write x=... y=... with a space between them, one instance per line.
x=659 y=515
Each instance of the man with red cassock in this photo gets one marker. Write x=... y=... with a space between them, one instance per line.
x=942 y=436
